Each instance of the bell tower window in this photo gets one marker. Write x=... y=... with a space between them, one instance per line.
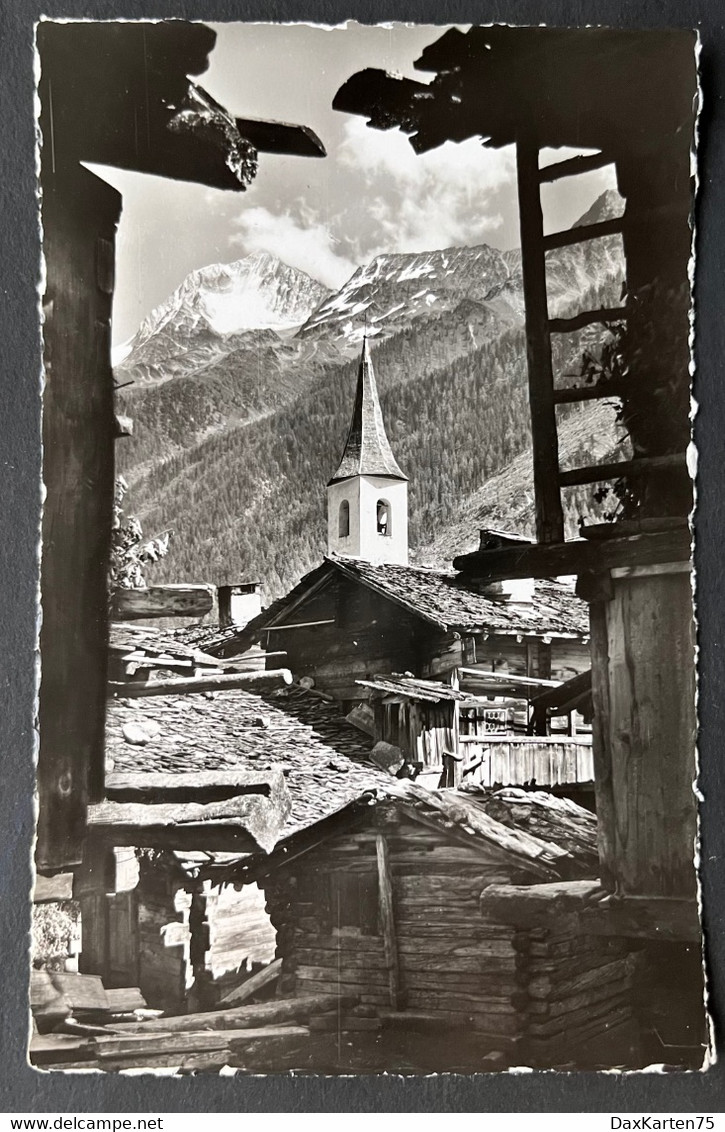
x=343 y=528
x=384 y=524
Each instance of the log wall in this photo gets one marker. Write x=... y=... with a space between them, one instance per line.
x=367 y=635
x=450 y=962
x=577 y=999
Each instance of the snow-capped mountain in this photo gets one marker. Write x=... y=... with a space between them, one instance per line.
x=203 y=319
x=390 y=292
x=479 y=284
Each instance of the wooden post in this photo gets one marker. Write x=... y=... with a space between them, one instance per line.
x=387 y=920
x=644 y=735
x=80 y=213
x=94 y=880
x=549 y=515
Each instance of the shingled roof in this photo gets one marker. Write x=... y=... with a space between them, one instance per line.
x=138 y=646
x=549 y=838
x=324 y=758
x=440 y=597
x=367 y=450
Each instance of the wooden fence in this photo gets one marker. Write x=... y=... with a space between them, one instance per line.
x=514 y=760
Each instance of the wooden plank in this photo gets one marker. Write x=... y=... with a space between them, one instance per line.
x=48 y=1050
x=621 y=469
x=261 y=681
x=649 y=571
x=79 y=992
x=545 y=443
x=244 y=1017
x=573 y=166
x=49 y=889
x=586 y=318
x=124 y=1000
x=386 y=908
x=252 y=986
x=189 y=1042
x=162 y=601
x=578 y=556
x=582 y=233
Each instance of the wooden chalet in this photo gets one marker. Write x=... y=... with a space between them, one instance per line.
x=629 y=97
x=349 y=620
x=380 y=906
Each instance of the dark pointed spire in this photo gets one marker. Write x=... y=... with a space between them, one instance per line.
x=367 y=450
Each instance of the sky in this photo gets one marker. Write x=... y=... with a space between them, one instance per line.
x=371 y=195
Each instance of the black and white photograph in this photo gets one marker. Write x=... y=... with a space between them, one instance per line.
x=367 y=703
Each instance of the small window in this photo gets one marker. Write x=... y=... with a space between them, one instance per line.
x=383 y=517
x=344 y=519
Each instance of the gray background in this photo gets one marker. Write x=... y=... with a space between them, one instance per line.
x=25 y=1090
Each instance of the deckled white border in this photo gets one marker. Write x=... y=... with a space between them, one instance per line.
x=710 y=1057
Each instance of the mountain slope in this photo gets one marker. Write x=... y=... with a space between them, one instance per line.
x=234 y=457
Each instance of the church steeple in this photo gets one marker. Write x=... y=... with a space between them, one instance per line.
x=367 y=449
x=367 y=498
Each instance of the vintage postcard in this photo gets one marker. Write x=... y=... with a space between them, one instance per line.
x=367 y=712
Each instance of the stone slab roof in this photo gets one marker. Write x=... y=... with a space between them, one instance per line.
x=324 y=758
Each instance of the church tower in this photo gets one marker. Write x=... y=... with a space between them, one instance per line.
x=367 y=498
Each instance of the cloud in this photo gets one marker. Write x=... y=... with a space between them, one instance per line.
x=419 y=202
x=301 y=241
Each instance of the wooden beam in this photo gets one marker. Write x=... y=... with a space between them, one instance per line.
x=651 y=571
x=549 y=515
x=576 y=557
x=299 y=625
x=510 y=678
x=598 y=391
x=586 y=318
x=583 y=232
x=196 y=786
x=387 y=920
x=47 y=890
x=277 y=1011
x=261 y=681
x=244 y=823
x=574 y=166
x=252 y=986
x=621 y=468
x=642 y=917
x=162 y=601
x=634 y=527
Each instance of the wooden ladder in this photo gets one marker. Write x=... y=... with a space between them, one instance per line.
x=549 y=479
